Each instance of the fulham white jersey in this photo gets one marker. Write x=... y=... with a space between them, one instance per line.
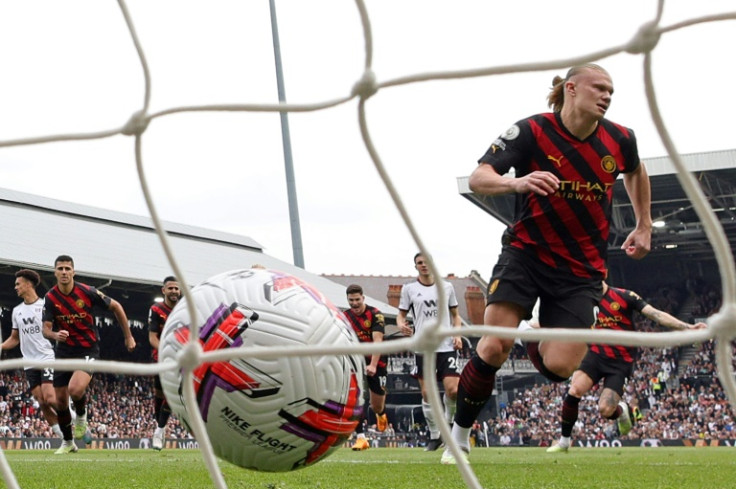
x=421 y=301
x=27 y=320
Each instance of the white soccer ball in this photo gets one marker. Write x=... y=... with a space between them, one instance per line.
x=278 y=414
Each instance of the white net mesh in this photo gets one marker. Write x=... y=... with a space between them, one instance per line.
x=480 y=18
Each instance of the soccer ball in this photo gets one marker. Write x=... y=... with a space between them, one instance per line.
x=267 y=414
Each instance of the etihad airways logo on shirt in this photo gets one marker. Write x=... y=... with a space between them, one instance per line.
x=71 y=318
x=609 y=321
x=587 y=191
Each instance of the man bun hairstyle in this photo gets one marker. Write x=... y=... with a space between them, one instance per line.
x=556 y=96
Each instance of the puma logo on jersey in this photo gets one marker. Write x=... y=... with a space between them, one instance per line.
x=556 y=160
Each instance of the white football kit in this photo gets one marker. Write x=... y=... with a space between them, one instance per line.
x=27 y=320
x=422 y=301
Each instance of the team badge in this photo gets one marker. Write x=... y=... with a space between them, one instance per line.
x=80 y=303
x=615 y=306
x=608 y=163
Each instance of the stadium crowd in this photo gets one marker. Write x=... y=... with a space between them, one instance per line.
x=679 y=398
x=118 y=407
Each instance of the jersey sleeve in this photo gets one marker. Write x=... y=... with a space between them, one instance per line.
x=635 y=301
x=379 y=322
x=154 y=321
x=512 y=149
x=14 y=320
x=98 y=297
x=404 y=300
x=631 y=153
x=451 y=297
x=48 y=310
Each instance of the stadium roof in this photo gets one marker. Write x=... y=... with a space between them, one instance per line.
x=681 y=247
x=122 y=253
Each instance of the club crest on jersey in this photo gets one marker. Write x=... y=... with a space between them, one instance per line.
x=608 y=163
x=615 y=306
x=80 y=303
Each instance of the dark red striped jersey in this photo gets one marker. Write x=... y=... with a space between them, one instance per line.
x=157 y=315
x=365 y=324
x=569 y=229
x=74 y=313
x=616 y=312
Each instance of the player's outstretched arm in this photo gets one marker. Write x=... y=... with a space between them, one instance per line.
x=668 y=320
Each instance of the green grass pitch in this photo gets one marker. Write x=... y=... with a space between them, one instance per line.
x=389 y=468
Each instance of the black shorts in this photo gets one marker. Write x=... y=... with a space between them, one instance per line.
x=377 y=382
x=38 y=376
x=62 y=377
x=614 y=371
x=447 y=365
x=565 y=301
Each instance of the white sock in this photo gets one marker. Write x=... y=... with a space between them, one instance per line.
x=461 y=436
x=564 y=441
x=57 y=430
x=450 y=407
x=434 y=432
x=361 y=436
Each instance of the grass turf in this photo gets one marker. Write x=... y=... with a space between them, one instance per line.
x=387 y=468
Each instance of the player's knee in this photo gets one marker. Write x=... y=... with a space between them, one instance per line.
x=559 y=367
x=554 y=373
x=451 y=391
x=606 y=409
x=76 y=393
x=491 y=350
